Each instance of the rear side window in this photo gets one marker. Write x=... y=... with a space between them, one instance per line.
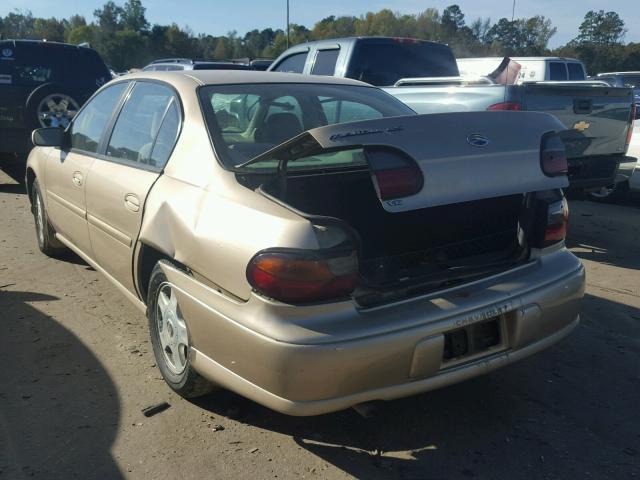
x=293 y=63
x=89 y=125
x=139 y=122
x=325 y=63
x=88 y=68
x=383 y=64
x=167 y=136
x=575 y=71
x=557 y=71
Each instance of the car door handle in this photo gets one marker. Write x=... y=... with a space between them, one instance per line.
x=132 y=202
x=77 y=179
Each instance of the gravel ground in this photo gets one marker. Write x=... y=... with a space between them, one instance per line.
x=78 y=370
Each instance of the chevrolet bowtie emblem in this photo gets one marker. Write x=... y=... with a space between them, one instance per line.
x=581 y=126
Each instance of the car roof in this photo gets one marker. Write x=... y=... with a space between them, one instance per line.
x=373 y=39
x=43 y=42
x=226 y=77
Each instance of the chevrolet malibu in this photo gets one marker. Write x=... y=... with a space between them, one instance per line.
x=311 y=243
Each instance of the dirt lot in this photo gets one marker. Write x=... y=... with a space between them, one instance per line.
x=78 y=369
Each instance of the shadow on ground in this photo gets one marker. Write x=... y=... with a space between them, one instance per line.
x=59 y=408
x=601 y=233
x=575 y=402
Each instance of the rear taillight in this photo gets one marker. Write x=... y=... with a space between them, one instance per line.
x=553 y=157
x=505 y=106
x=557 y=222
x=294 y=276
x=634 y=111
x=394 y=174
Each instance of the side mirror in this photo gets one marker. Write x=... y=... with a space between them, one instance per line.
x=49 y=137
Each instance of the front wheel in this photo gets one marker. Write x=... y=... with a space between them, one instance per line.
x=45 y=234
x=170 y=338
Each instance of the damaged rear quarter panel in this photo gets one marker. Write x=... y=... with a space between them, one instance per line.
x=216 y=230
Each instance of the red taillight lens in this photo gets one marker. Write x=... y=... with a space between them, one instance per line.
x=505 y=106
x=395 y=175
x=634 y=110
x=557 y=223
x=294 y=277
x=553 y=157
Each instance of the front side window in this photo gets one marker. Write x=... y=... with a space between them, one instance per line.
x=89 y=125
x=293 y=63
x=325 y=63
x=137 y=127
x=279 y=112
x=557 y=71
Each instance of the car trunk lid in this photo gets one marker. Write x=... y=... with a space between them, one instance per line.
x=462 y=156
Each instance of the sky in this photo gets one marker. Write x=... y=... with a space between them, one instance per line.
x=217 y=17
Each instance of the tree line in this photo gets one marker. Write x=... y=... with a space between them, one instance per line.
x=125 y=39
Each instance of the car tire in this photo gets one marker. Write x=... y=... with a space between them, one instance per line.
x=45 y=233
x=170 y=338
x=612 y=193
x=65 y=102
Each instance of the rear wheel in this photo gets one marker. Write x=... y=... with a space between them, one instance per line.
x=45 y=233
x=170 y=338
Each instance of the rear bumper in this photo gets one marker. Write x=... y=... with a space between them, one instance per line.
x=626 y=168
x=330 y=367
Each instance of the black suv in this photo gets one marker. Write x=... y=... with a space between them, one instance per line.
x=43 y=84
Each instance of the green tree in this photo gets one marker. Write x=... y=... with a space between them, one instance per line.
x=18 y=24
x=133 y=16
x=109 y=18
x=600 y=28
x=49 y=29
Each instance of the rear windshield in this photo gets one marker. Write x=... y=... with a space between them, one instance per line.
x=37 y=63
x=383 y=64
x=249 y=119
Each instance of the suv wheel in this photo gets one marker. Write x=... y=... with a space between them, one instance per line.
x=51 y=105
x=56 y=110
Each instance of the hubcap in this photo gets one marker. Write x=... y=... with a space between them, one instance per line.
x=172 y=330
x=39 y=219
x=57 y=110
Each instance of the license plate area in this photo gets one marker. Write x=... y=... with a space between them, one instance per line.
x=473 y=341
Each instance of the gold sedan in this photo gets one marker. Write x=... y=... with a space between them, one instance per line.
x=309 y=242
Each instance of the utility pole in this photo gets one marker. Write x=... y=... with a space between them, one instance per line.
x=287 y=23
